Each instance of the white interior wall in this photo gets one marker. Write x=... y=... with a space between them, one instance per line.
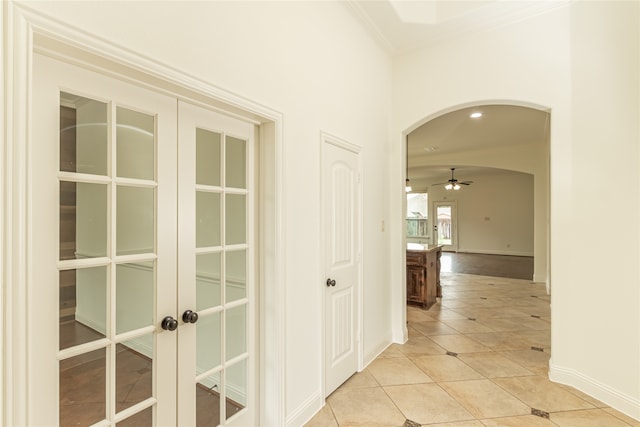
x=603 y=177
x=589 y=81
x=532 y=159
x=314 y=63
x=495 y=213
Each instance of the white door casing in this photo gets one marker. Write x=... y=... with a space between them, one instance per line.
x=52 y=77
x=30 y=31
x=342 y=258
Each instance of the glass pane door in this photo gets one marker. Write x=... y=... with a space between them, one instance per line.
x=445 y=225
x=141 y=258
x=443 y=214
x=101 y=272
x=107 y=265
x=215 y=270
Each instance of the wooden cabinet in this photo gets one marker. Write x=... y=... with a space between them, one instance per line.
x=417 y=279
x=423 y=274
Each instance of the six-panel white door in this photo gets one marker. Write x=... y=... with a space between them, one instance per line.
x=111 y=275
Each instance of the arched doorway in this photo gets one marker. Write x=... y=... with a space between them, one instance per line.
x=509 y=139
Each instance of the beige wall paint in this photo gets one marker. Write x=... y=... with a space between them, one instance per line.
x=284 y=55
x=604 y=178
x=588 y=80
x=314 y=63
x=531 y=159
x=525 y=64
x=495 y=214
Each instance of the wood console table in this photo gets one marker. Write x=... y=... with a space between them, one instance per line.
x=423 y=274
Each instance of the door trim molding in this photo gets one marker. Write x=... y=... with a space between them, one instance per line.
x=338 y=142
x=327 y=138
x=28 y=31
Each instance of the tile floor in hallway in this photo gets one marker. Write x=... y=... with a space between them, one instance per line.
x=477 y=358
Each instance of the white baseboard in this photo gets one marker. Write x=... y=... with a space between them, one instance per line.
x=377 y=351
x=540 y=278
x=313 y=404
x=136 y=344
x=628 y=405
x=492 y=252
x=89 y=322
x=301 y=415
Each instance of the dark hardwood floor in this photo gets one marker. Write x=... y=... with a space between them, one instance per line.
x=514 y=267
x=83 y=385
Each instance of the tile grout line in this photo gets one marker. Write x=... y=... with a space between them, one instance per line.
x=535 y=339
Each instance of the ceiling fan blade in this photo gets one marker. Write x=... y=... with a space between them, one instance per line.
x=465 y=182
x=442 y=183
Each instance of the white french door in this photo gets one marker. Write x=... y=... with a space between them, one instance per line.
x=141 y=296
x=217 y=265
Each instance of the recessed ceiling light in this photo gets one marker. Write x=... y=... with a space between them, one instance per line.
x=476 y=115
x=431 y=148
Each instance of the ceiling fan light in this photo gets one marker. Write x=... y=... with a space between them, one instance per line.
x=456 y=187
x=448 y=186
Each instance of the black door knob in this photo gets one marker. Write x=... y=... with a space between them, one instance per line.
x=331 y=282
x=169 y=324
x=190 y=316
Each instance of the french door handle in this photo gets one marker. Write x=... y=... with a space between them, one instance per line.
x=190 y=316
x=169 y=324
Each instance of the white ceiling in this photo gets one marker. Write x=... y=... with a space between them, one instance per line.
x=404 y=25
x=499 y=126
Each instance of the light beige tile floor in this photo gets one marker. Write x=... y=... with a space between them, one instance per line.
x=469 y=362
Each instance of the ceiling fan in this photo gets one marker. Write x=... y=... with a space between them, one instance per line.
x=453 y=183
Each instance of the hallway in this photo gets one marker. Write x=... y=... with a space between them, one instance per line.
x=477 y=358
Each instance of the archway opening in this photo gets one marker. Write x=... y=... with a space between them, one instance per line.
x=505 y=151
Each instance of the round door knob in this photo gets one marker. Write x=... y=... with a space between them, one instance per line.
x=169 y=324
x=331 y=282
x=190 y=316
